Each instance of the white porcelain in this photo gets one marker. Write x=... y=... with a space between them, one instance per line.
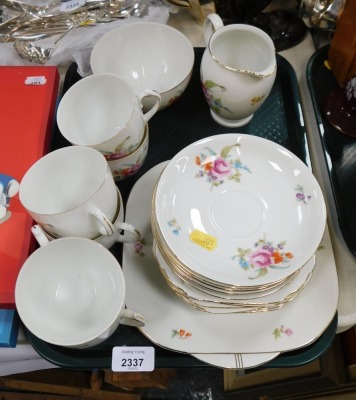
x=125 y=167
x=102 y=111
x=71 y=292
x=148 y=55
x=238 y=70
x=132 y=236
x=173 y=324
x=207 y=285
x=215 y=290
x=211 y=303
x=239 y=210
x=71 y=192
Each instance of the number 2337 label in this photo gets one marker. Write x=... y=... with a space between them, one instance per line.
x=132 y=359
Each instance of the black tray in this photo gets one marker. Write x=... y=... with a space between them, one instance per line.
x=339 y=149
x=171 y=130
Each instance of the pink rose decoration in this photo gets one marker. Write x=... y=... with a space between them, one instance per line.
x=288 y=332
x=221 y=167
x=263 y=258
x=116 y=156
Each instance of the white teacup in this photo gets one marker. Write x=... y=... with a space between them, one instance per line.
x=101 y=111
x=132 y=235
x=71 y=192
x=238 y=69
x=71 y=293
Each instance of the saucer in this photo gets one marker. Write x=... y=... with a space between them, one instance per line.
x=175 y=325
x=210 y=303
x=238 y=211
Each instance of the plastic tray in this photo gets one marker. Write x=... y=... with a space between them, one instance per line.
x=279 y=119
x=339 y=149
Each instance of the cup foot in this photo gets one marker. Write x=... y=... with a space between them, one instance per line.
x=230 y=123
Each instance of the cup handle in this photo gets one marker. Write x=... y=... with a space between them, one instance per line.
x=152 y=111
x=104 y=224
x=212 y=23
x=39 y=235
x=134 y=236
x=132 y=318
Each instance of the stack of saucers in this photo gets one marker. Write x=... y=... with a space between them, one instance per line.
x=236 y=221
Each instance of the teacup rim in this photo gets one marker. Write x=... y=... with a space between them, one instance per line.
x=106 y=175
x=98 y=75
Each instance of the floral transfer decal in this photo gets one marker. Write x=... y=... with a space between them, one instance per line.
x=175 y=226
x=301 y=196
x=174 y=99
x=263 y=256
x=139 y=247
x=256 y=99
x=215 y=103
x=181 y=334
x=278 y=332
x=120 y=151
x=129 y=169
x=219 y=168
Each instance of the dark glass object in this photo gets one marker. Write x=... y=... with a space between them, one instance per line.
x=284 y=27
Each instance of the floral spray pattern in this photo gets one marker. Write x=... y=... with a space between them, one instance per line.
x=181 y=334
x=255 y=100
x=277 y=333
x=129 y=169
x=139 y=247
x=120 y=151
x=215 y=103
x=175 y=226
x=264 y=255
x=301 y=196
x=218 y=168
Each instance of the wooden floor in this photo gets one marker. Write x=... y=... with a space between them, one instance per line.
x=64 y=384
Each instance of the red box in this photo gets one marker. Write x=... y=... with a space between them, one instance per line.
x=28 y=97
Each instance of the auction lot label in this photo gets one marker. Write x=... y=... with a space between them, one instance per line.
x=132 y=359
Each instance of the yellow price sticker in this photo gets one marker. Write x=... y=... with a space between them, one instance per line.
x=203 y=239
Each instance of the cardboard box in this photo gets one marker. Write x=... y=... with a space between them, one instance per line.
x=28 y=98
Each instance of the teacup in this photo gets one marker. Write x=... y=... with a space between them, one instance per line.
x=123 y=168
x=71 y=192
x=238 y=70
x=131 y=234
x=101 y=111
x=71 y=293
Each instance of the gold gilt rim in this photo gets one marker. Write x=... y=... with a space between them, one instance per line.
x=289 y=297
x=229 y=309
x=243 y=71
x=177 y=264
x=175 y=261
x=202 y=286
x=211 y=291
x=208 y=285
